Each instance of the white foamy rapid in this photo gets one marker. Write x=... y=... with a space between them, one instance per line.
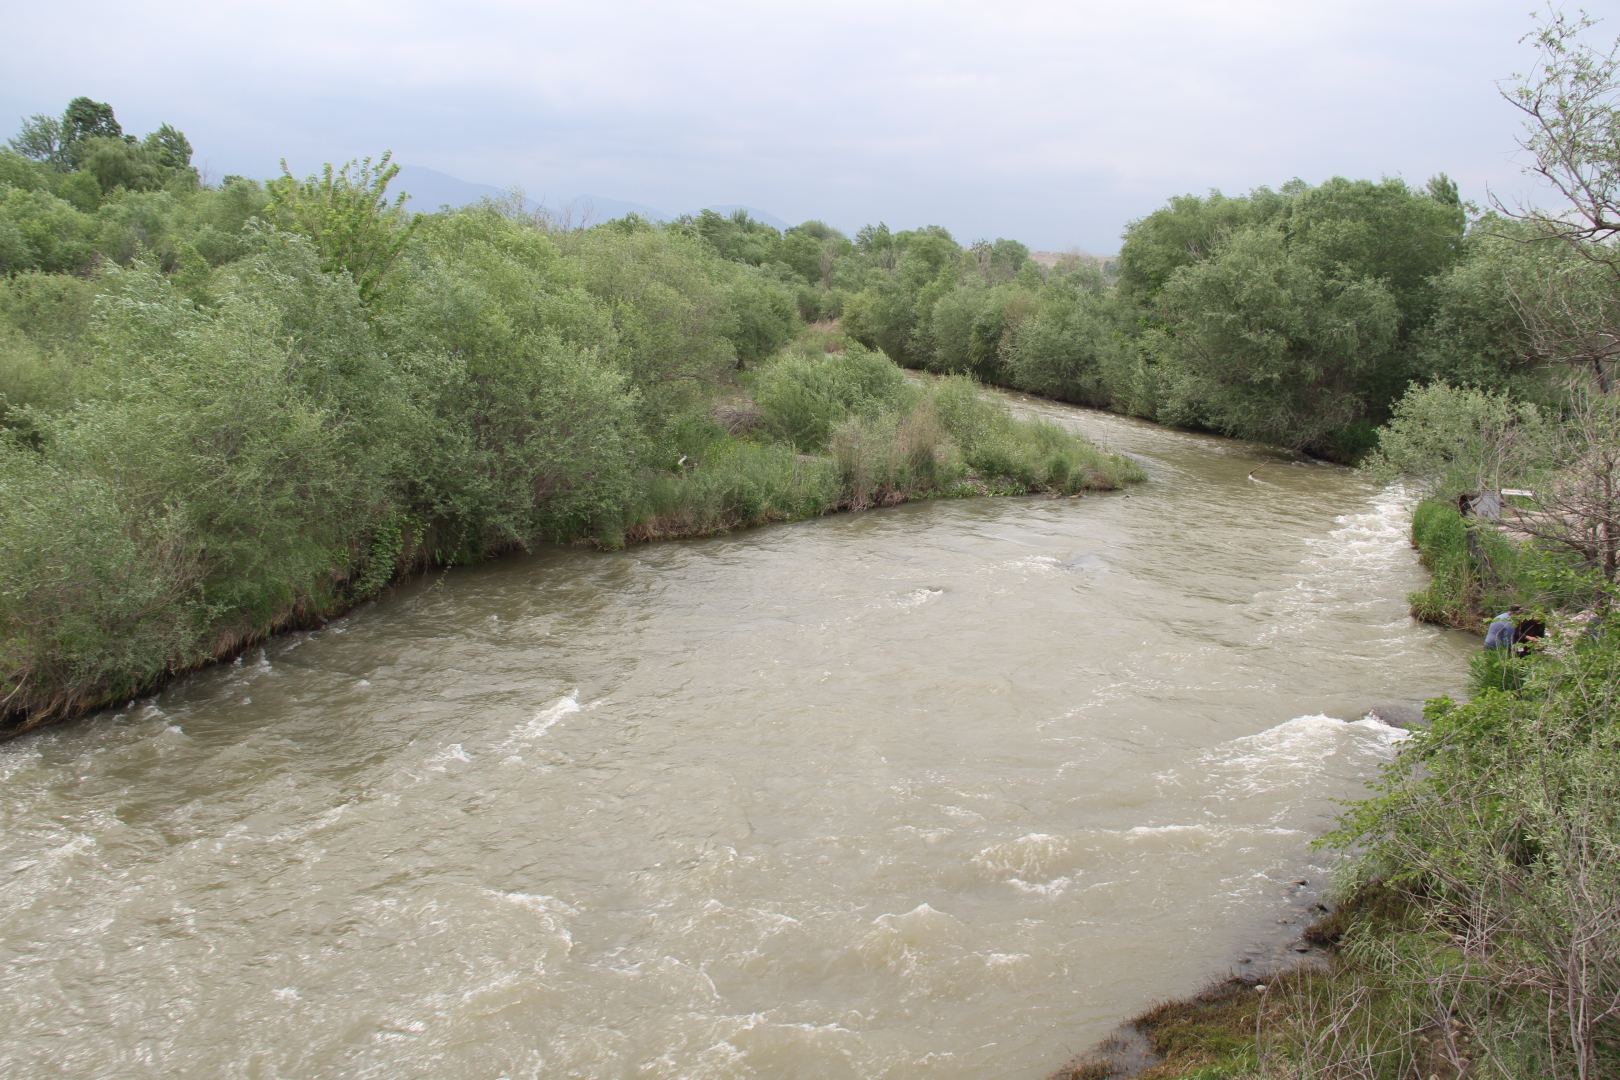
x=1364 y=563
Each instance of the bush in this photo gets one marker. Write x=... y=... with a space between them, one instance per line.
x=523 y=426
x=672 y=315
x=230 y=487
x=764 y=315
x=1448 y=440
x=888 y=459
x=804 y=395
x=96 y=599
x=38 y=231
x=1030 y=455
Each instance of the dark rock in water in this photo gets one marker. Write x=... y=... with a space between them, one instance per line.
x=1401 y=714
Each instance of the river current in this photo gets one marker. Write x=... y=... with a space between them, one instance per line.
x=945 y=790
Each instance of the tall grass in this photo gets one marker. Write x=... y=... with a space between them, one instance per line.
x=1474 y=569
x=737 y=484
x=1030 y=455
x=895 y=457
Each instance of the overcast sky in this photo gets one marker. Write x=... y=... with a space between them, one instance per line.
x=1054 y=123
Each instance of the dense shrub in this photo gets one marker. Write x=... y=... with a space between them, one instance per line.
x=803 y=396
x=228 y=411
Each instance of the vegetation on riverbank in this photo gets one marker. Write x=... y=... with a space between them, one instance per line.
x=1294 y=317
x=1479 y=929
x=230 y=411
x=1479 y=934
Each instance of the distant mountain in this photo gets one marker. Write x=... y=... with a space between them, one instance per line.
x=430 y=189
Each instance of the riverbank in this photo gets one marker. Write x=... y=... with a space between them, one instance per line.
x=824 y=427
x=1479 y=933
x=1218 y=1031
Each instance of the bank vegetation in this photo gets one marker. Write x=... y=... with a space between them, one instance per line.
x=227 y=411
x=1478 y=927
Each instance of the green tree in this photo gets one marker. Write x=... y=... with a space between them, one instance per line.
x=169 y=147
x=347 y=213
x=1446 y=440
x=670 y=313
x=1383 y=231
x=1478 y=335
x=876 y=245
x=1062 y=349
x=812 y=250
x=1185 y=231
x=83 y=120
x=882 y=315
x=1265 y=345
x=116 y=163
x=1007 y=257
x=946 y=330
x=40 y=139
x=47 y=233
x=736 y=237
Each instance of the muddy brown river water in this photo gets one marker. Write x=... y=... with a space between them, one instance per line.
x=939 y=791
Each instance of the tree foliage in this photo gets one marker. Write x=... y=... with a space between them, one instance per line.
x=1447 y=440
x=1570 y=101
x=347 y=213
x=1267 y=344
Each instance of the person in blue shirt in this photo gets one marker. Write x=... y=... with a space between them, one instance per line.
x=1499 y=635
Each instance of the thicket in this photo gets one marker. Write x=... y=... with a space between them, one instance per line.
x=229 y=410
x=1297 y=317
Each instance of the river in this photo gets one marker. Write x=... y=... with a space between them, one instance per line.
x=945 y=790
